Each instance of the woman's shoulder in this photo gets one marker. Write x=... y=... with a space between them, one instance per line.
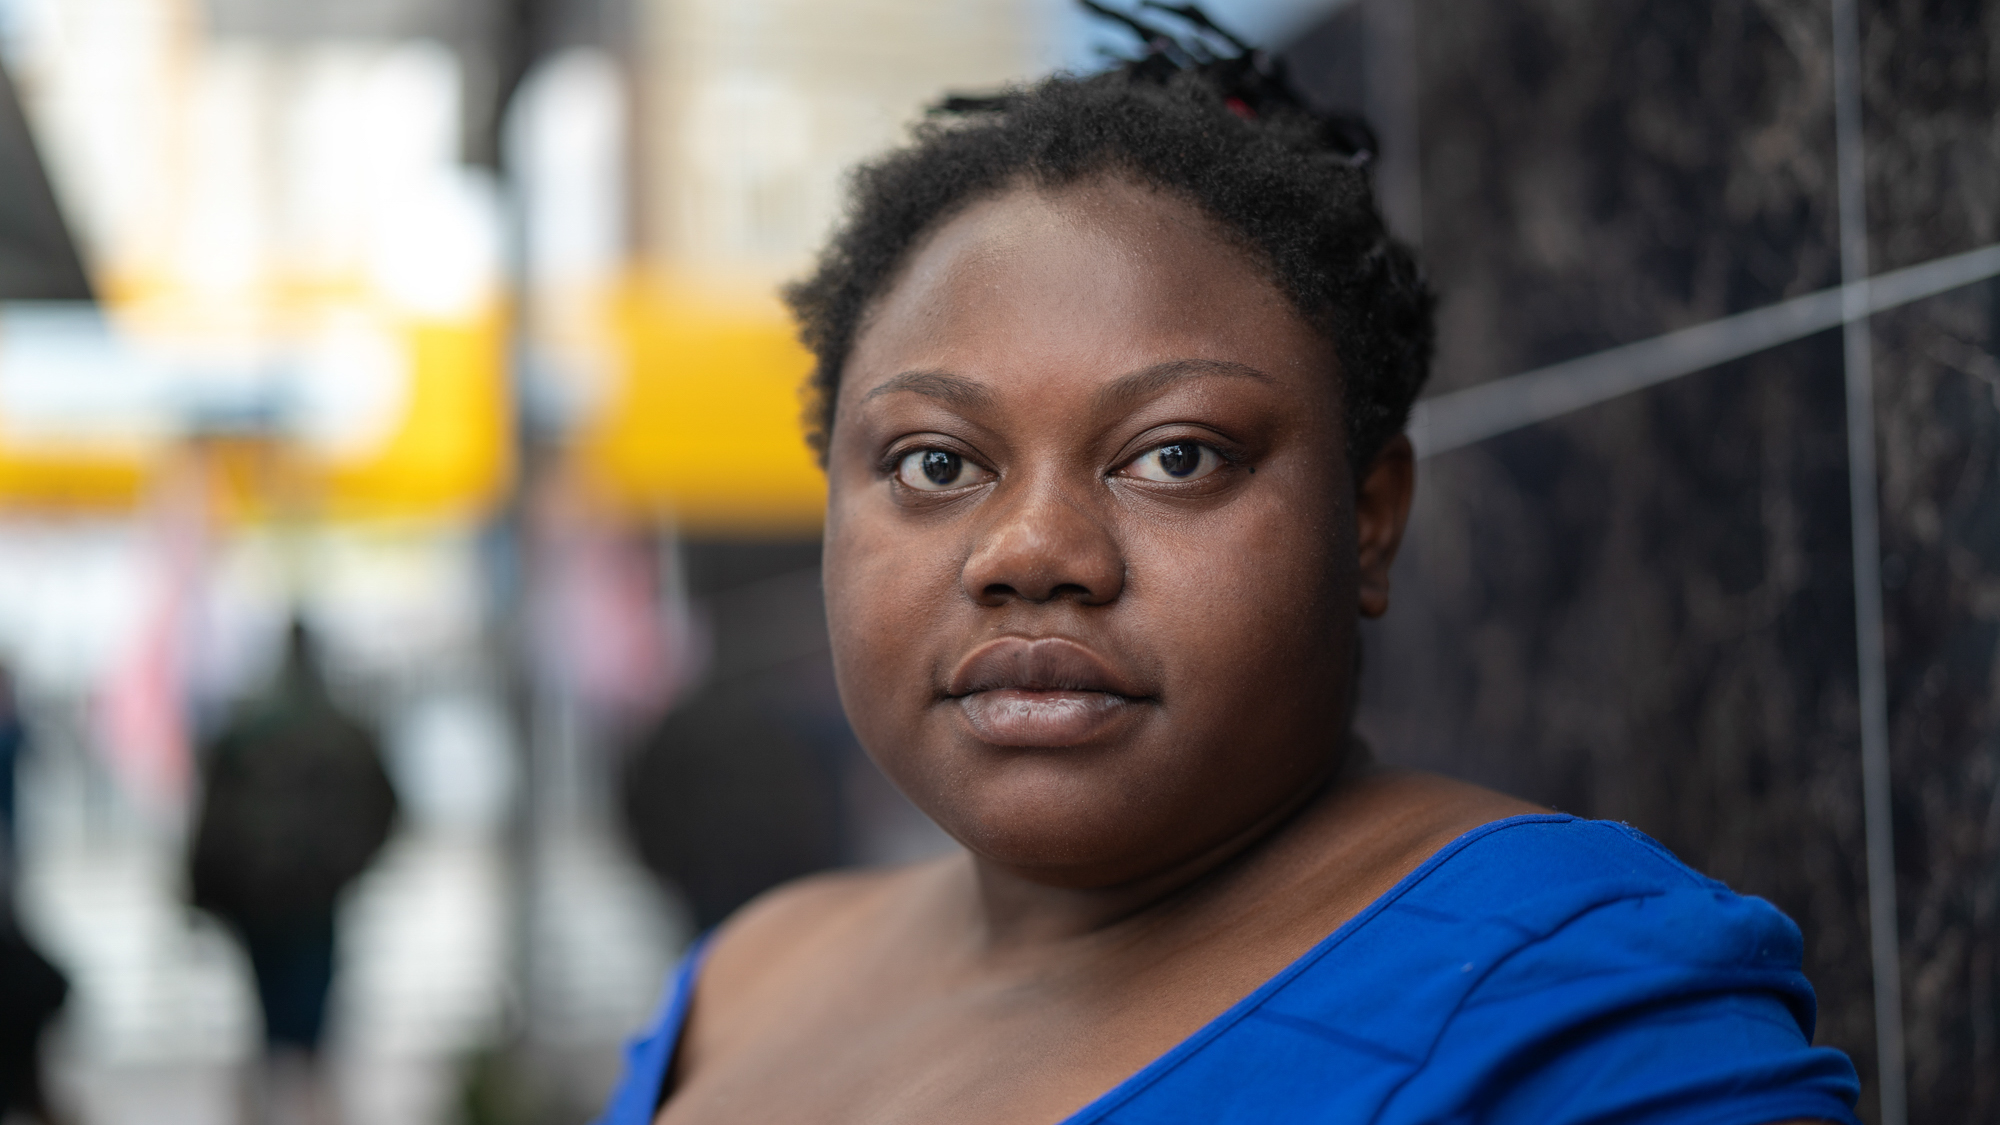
x=1527 y=958
x=1600 y=889
x=1587 y=948
x=755 y=965
x=1459 y=867
x=1542 y=870
x=1461 y=840
x=802 y=918
x=1568 y=916
x=774 y=919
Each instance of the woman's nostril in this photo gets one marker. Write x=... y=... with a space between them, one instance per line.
x=1044 y=550
x=995 y=593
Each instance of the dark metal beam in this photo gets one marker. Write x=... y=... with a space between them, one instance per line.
x=38 y=258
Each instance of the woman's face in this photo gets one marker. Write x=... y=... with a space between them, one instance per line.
x=1093 y=550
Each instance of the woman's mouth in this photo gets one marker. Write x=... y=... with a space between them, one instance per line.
x=1048 y=691
x=1016 y=717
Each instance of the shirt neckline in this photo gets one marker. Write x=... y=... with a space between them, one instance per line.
x=674 y=1020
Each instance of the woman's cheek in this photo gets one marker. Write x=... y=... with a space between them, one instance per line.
x=877 y=593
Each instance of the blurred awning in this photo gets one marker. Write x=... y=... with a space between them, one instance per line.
x=325 y=300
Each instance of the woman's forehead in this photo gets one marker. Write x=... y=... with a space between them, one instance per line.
x=1106 y=274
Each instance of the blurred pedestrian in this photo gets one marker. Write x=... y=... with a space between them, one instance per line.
x=13 y=747
x=295 y=804
x=31 y=990
x=725 y=799
x=31 y=993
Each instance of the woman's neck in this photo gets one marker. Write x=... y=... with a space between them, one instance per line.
x=1014 y=911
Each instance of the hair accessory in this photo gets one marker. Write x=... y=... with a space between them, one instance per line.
x=1251 y=81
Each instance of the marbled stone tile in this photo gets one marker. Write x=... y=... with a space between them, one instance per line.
x=1644 y=610
x=1597 y=173
x=1938 y=427
x=1931 y=97
x=1932 y=118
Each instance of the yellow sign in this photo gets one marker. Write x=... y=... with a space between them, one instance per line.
x=446 y=452
x=702 y=422
x=45 y=479
x=451 y=453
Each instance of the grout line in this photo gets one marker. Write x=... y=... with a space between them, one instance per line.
x=1454 y=419
x=1865 y=504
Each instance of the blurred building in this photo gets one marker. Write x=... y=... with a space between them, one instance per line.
x=290 y=391
x=453 y=323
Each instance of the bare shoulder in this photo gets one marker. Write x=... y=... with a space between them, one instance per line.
x=797 y=920
x=1378 y=828
x=788 y=943
x=1434 y=805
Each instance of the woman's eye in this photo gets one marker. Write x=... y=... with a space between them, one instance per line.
x=1177 y=461
x=937 y=470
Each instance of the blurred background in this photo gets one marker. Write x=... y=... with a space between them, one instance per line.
x=434 y=343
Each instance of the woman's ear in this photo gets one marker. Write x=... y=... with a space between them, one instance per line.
x=1381 y=511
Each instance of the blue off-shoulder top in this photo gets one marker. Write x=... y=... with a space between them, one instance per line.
x=1537 y=970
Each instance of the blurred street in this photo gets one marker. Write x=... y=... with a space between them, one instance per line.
x=162 y=1021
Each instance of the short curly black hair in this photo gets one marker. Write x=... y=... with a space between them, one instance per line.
x=1288 y=182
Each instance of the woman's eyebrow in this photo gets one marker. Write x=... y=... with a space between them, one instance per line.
x=954 y=389
x=1149 y=381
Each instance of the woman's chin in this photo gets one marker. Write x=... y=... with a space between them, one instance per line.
x=1070 y=843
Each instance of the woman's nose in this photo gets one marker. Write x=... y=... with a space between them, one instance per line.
x=1043 y=545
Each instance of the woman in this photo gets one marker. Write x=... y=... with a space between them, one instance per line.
x=1112 y=375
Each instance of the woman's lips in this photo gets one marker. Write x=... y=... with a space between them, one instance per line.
x=1012 y=717
x=1047 y=691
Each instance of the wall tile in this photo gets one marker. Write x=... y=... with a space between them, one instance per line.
x=1643 y=610
x=1938 y=426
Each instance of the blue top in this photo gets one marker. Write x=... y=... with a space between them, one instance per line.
x=1539 y=969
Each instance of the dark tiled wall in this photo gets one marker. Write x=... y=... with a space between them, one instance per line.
x=1599 y=173
x=1644 y=610
x=1933 y=117
x=1932 y=95
x=1938 y=417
